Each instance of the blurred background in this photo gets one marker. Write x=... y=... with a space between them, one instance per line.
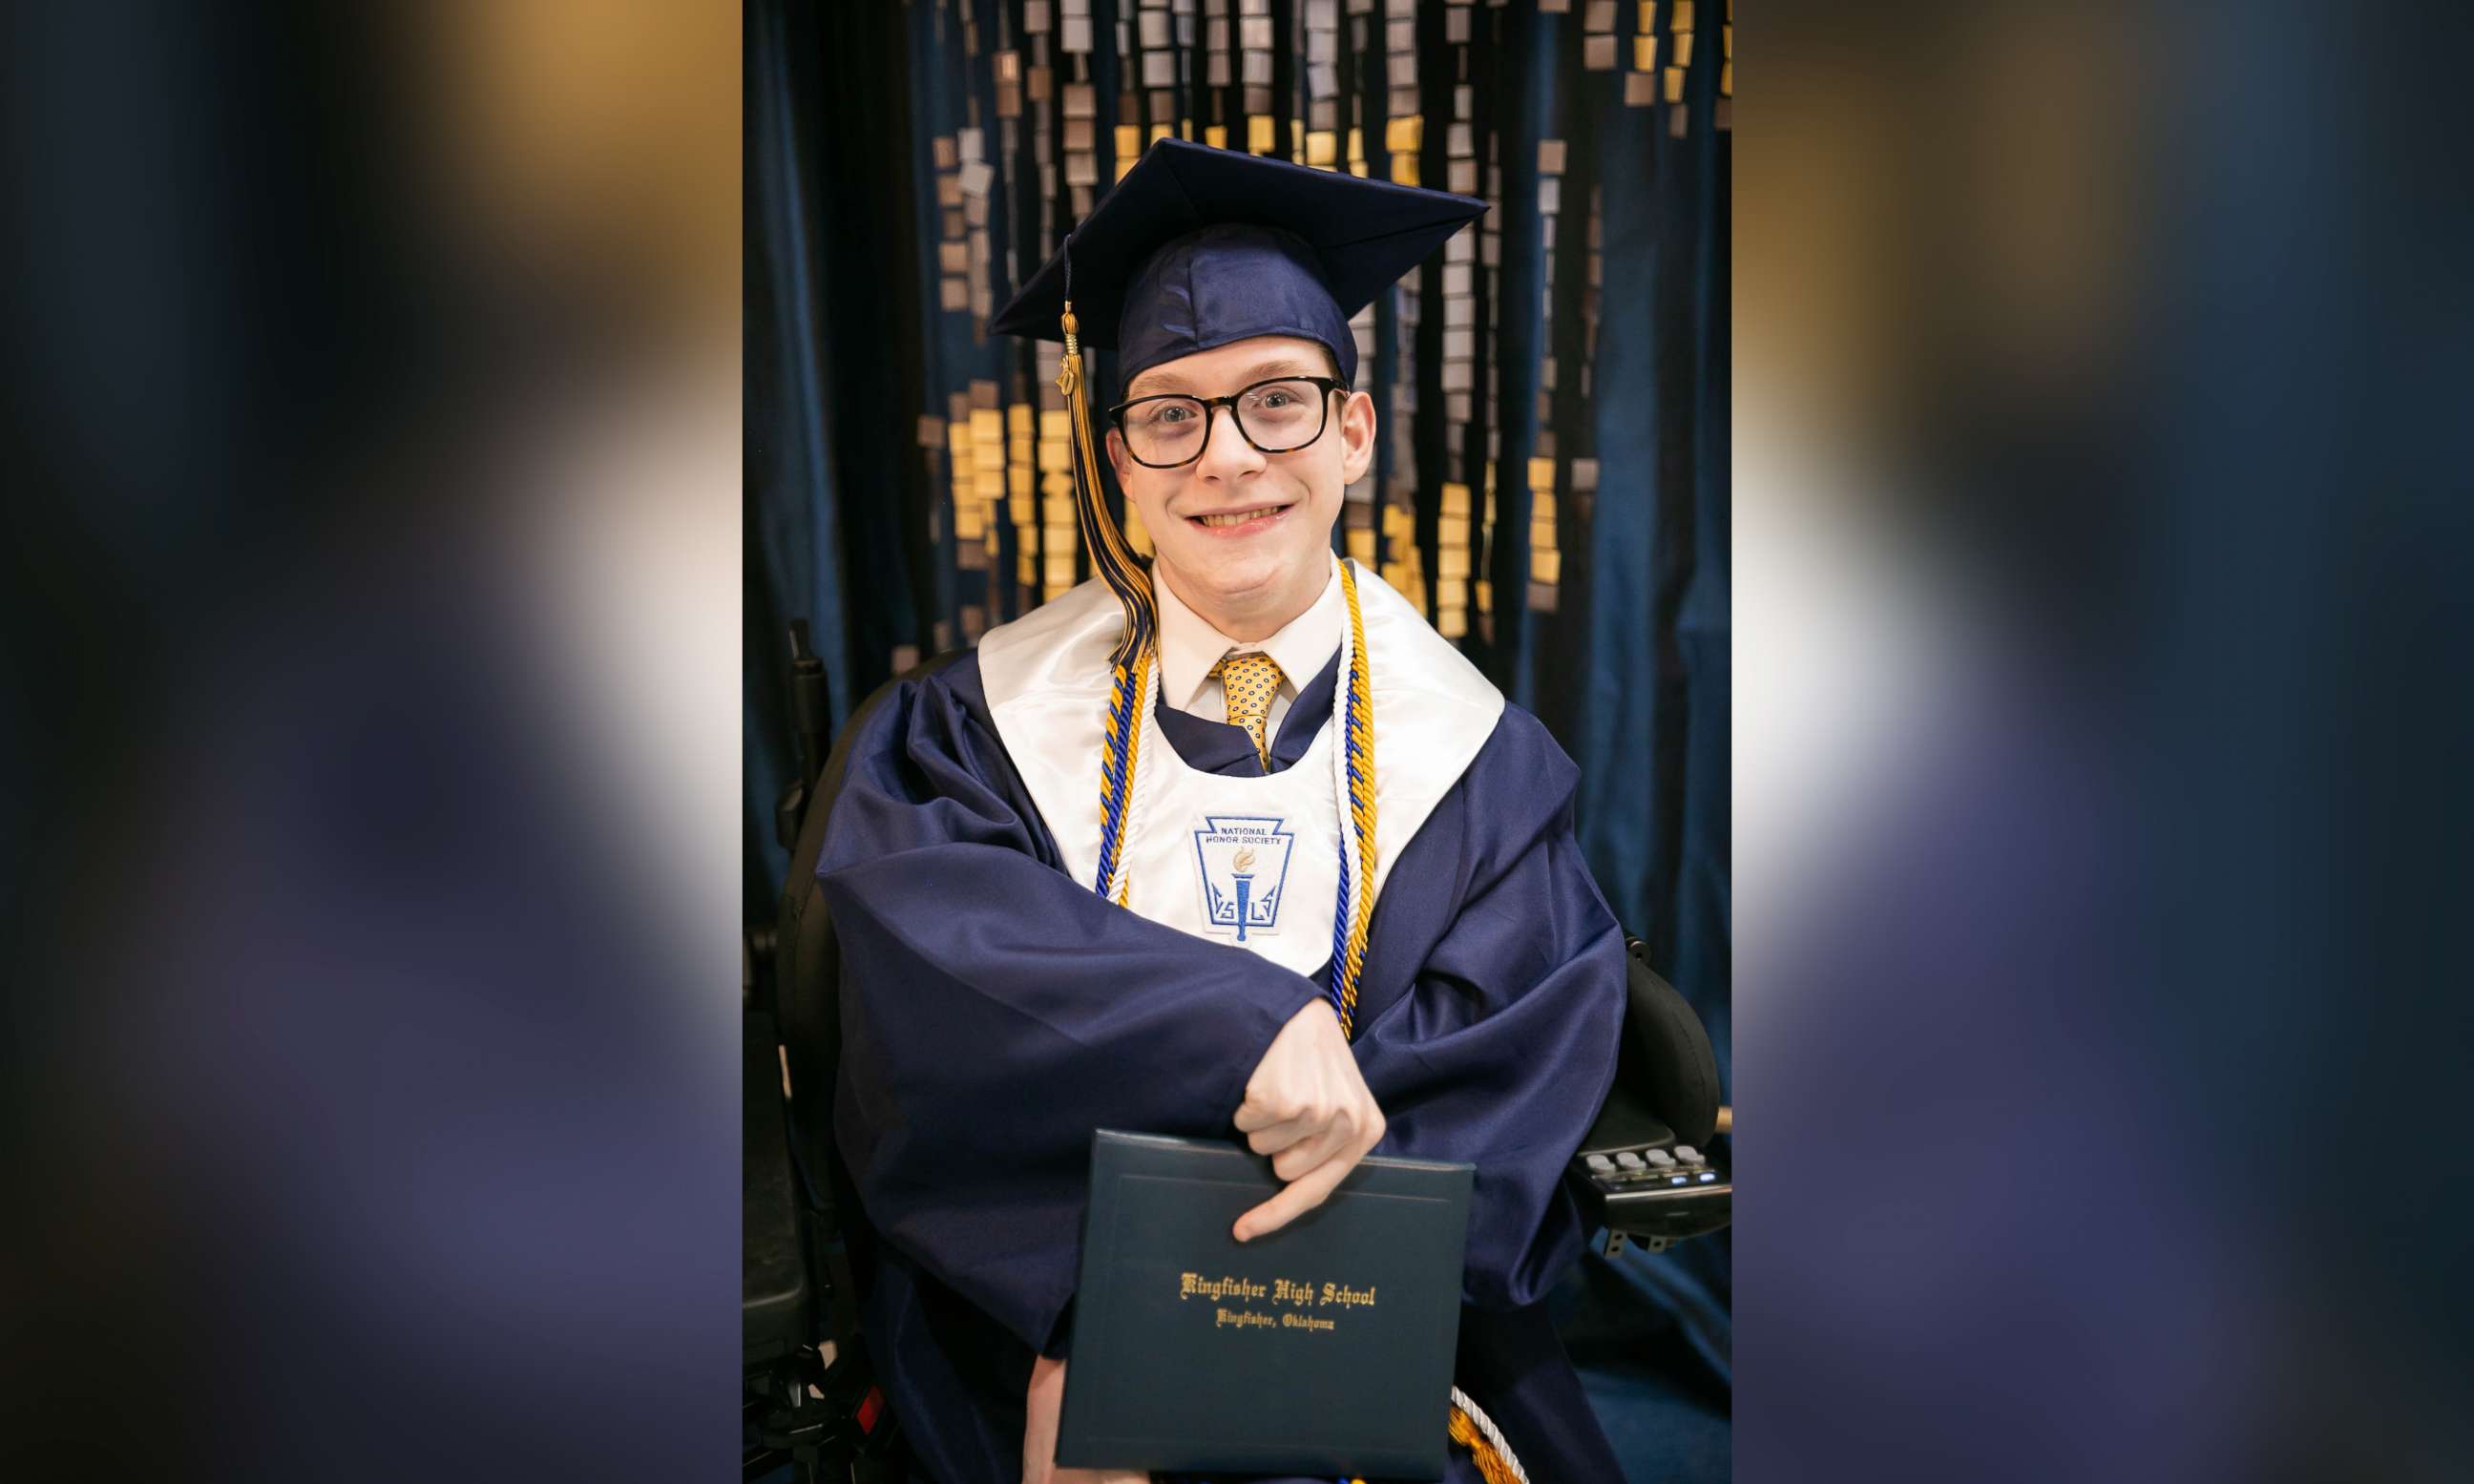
x=372 y=668
x=370 y=691
x=2100 y=546
x=1552 y=488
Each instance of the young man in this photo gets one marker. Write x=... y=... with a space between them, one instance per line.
x=1034 y=865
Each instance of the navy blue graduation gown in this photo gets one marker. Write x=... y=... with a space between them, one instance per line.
x=996 y=1011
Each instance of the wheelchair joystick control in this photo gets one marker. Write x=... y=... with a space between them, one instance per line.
x=1652 y=1193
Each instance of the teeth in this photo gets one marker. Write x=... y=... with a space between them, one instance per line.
x=1236 y=517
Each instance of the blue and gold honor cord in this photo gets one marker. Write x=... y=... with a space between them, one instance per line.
x=1355 y=716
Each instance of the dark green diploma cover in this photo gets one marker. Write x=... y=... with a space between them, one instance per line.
x=1324 y=1347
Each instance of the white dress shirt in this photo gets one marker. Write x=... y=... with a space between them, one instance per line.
x=1190 y=648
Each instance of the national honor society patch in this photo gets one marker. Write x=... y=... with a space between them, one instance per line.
x=1244 y=860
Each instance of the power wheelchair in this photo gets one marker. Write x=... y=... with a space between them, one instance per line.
x=812 y=1404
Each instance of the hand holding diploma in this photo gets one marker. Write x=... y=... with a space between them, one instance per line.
x=1308 y=1108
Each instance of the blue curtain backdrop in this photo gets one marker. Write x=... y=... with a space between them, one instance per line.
x=1554 y=488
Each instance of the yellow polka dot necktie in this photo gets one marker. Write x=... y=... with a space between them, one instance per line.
x=1250 y=681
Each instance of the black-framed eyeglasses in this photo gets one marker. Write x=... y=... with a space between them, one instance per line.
x=1278 y=416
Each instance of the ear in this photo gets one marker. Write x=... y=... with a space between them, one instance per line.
x=1356 y=437
x=1115 y=443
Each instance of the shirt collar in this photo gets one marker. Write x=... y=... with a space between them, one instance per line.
x=1189 y=646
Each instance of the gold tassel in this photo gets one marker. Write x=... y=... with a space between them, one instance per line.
x=1118 y=565
x=1490 y=1465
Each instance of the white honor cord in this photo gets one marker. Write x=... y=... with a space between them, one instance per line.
x=1486 y=1426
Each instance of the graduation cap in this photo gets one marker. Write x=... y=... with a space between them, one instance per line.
x=1198 y=248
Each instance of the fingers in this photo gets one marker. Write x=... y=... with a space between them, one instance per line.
x=1259 y=1112
x=1284 y=1118
x=1309 y=1154
x=1314 y=1167
x=1040 y=1401
x=1303 y=1195
x=1283 y=1099
x=1280 y=1136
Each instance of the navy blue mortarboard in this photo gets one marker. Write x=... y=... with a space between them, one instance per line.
x=1199 y=247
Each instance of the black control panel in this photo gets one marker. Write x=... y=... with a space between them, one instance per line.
x=1654 y=1194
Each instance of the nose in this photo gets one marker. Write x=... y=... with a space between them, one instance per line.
x=1227 y=455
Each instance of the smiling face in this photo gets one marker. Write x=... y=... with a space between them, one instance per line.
x=1243 y=536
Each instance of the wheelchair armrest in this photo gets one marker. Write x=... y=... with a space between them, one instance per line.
x=1644 y=1173
x=1666 y=1074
